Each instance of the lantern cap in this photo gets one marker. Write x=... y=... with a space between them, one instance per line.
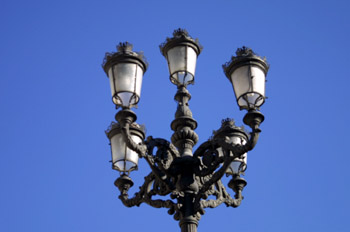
x=245 y=56
x=115 y=128
x=180 y=37
x=124 y=54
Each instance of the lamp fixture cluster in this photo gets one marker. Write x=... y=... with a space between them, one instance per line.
x=188 y=178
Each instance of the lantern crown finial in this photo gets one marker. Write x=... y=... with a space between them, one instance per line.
x=124 y=47
x=244 y=51
x=180 y=32
x=228 y=122
x=228 y=126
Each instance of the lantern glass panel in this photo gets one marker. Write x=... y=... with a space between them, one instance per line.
x=126 y=82
x=234 y=140
x=234 y=167
x=123 y=158
x=182 y=64
x=249 y=85
x=238 y=165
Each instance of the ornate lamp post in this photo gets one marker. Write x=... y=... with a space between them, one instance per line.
x=187 y=178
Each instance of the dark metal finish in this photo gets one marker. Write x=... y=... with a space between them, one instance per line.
x=244 y=56
x=191 y=180
x=124 y=54
x=180 y=37
x=184 y=137
x=229 y=129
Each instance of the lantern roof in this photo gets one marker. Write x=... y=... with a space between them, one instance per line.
x=180 y=37
x=245 y=56
x=124 y=54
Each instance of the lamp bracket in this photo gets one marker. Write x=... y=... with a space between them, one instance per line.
x=188 y=180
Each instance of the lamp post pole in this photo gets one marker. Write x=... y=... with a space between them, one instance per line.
x=188 y=178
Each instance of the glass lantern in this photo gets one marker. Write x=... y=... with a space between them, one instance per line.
x=125 y=70
x=247 y=72
x=124 y=159
x=181 y=52
x=236 y=135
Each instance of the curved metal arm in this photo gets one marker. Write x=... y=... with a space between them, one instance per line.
x=161 y=162
x=143 y=196
x=254 y=136
x=236 y=149
x=126 y=117
x=158 y=171
x=158 y=203
x=214 y=178
x=253 y=119
x=140 y=149
x=221 y=197
x=124 y=183
x=229 y=201
x=164 y=149
x=201 y=151
x=159 y=175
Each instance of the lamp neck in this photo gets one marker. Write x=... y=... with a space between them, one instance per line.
x=125 y=116
x=184 y=137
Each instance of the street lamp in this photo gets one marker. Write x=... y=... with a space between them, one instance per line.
x=187 y=177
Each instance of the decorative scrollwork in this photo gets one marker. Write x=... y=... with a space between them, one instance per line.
x=177 y=176
x=222 y=197
x=163 y=147
x=144 y=195
x=138 y=148
x=192 y=181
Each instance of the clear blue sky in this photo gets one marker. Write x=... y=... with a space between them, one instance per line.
x=55 y=103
